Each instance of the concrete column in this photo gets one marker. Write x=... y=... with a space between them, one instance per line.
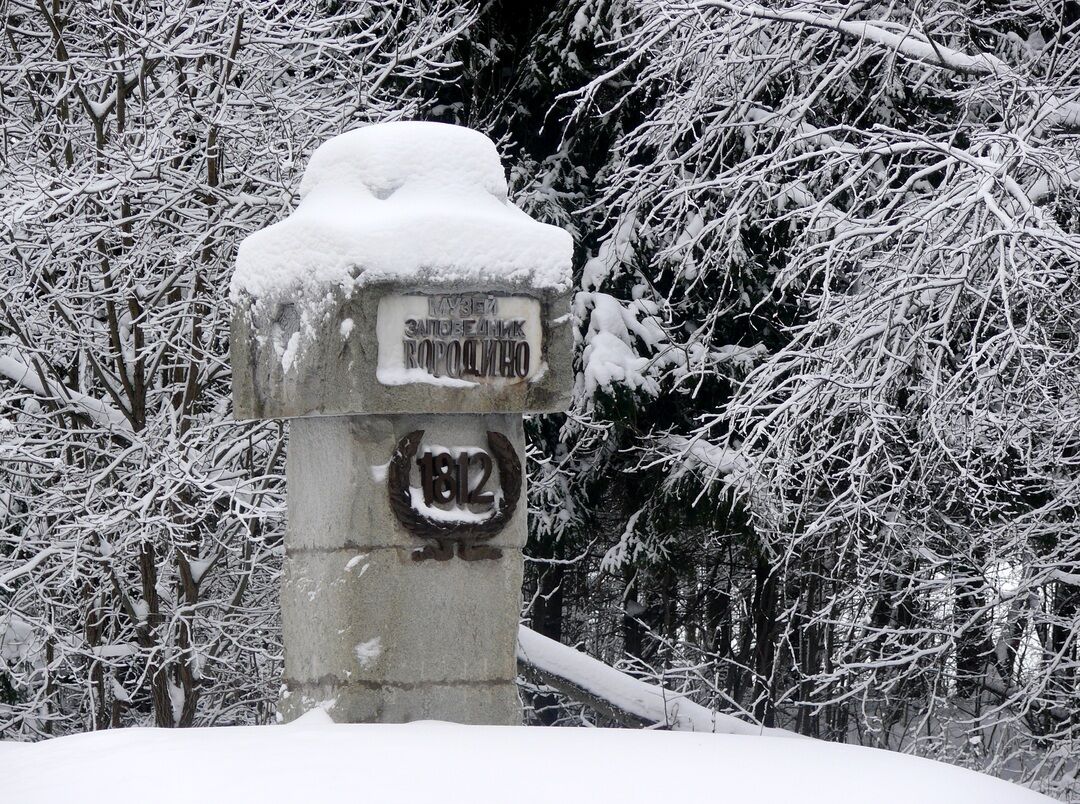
x=370 y=633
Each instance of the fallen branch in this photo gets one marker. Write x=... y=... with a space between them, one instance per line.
x=627 y=700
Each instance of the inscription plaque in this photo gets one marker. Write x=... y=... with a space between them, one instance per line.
x=458 y=339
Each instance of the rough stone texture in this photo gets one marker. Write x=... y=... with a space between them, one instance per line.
x=330 y=374
x=474 y=703
x=386 y=637
x=416 y=621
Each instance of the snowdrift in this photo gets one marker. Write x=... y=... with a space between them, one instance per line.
x=314 y=760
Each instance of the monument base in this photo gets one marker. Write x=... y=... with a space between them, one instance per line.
x=381 y=624
x=473 y=703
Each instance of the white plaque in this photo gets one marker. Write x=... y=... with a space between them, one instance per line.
x=459 y=339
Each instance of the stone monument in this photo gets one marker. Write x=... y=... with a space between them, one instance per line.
x=403 y=318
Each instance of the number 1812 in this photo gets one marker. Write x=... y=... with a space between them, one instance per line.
x=446 y=480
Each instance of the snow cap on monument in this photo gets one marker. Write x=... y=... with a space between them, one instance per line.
x=405 y=281
x=402 y=201
x=384 y=157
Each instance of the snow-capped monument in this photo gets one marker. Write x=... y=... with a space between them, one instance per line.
x=404 y=316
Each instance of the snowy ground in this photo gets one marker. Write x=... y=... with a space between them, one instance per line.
x=314 y=760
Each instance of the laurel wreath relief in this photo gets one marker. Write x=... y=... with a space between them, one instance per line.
x=442 y=536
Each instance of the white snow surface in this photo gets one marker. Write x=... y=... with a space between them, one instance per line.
x=396 y=375
x=454 y=513
x=314 y=761
x=13 y=367
x=367 y=652
x=402 y=200
x=352 y=562
x=609 y=356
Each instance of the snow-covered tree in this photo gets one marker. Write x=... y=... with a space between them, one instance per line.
x=821 y=468
x=140 y=532
x=824 y=439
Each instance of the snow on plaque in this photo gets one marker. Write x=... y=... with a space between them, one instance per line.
x=459 y=339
